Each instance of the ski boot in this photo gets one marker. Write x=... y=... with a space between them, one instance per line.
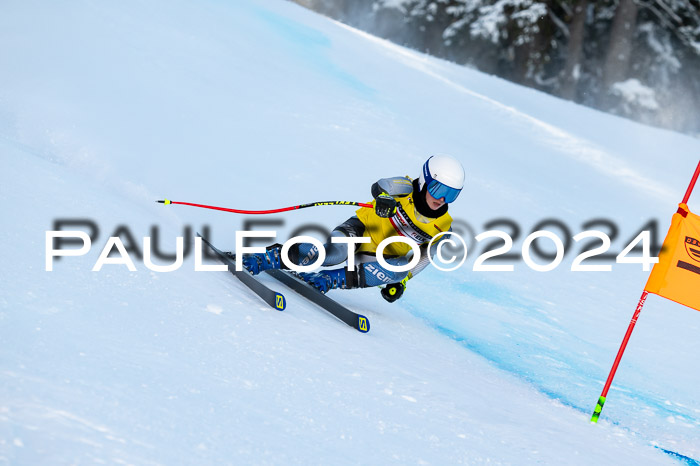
x=270 y=259
x=330 y=279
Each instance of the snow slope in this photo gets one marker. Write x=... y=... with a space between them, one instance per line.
x=105 y=108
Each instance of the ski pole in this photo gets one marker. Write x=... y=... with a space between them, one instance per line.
x=271 y=211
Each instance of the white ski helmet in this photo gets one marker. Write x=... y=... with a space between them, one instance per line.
x=444 y=177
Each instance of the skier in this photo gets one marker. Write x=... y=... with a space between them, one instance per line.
x=416 y=209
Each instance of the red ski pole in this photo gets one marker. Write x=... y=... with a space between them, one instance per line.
x=271 y=211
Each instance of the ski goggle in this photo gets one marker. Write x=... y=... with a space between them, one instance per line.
x=439 y=190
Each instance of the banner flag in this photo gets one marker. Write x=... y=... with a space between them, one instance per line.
x=677 y=274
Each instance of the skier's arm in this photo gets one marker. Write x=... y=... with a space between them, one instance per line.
x=398 y=186
x=426 y=253
x=386 y=190
x=394 y=291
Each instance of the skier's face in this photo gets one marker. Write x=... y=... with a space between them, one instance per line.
x=433 y=203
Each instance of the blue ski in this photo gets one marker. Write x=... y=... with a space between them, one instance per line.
x=357 y=321
x=272 y=298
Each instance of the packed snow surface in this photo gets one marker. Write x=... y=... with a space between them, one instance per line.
x=106 y=107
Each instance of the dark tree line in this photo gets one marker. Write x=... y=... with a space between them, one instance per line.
x=635 y=58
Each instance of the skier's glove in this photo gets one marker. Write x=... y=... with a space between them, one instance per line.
x=394 y=291
x=385 y=205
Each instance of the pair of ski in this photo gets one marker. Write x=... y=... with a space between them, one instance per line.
x=277 y=300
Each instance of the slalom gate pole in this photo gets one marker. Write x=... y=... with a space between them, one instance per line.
x=691 y=186
x=271 y=211
x=604 y=394
x=630 y=328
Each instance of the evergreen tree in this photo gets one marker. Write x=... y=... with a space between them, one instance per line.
x=636 y=58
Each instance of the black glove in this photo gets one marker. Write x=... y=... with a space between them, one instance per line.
x=385 y=205
x=393 y=292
